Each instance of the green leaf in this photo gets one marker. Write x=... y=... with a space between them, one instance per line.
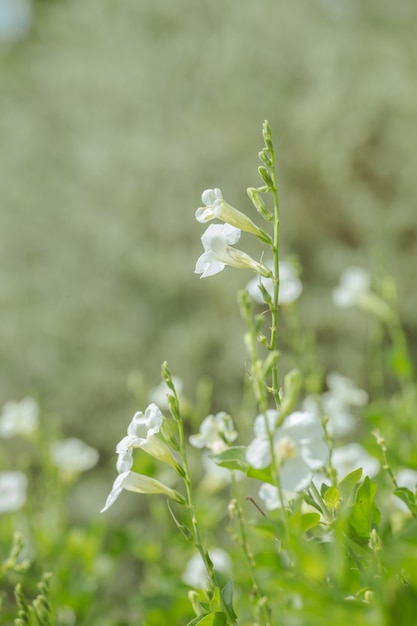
x=332 y=498
x=309 y=520
x=349 y=482
x=227 y=599
x=233 y=458
x=407 y=497
x=364 y=514
x=210 y=619
x=264 y=475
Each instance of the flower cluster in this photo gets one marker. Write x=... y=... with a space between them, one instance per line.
x=219 y=239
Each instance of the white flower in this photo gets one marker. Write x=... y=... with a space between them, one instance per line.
x=15 y=19
x=270 y=496
x=216 y=208
x=19 y=418
x=216 y=433
x=73 y=455
x=132 y=481
x=195 y=574
x=407 y=478
x=299 y=448
x=290 y=286
x=351 y=457
x=159 y=395
x=218 y=243
x=355 y=283
x=141 y=433
x=335 y=404
x=12 y=491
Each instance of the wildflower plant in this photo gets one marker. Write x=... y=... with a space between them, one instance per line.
x=307 y=539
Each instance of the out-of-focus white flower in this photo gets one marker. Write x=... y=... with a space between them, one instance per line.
x=218 y=243
x=12 y=491
x=216 y=208
x=132 y=481
x=141 y=433
x=15 y=19
x=270 y=496
x=336 y=402
x=195 y=574
x=407 y=478
x=299 y=447
x=290 y=286
x=355 y=284
x=159 y=395
x=73 y=455
x=19 y=418
x=216 y=433
x=351 y=457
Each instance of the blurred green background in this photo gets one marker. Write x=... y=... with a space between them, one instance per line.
x=113 y=119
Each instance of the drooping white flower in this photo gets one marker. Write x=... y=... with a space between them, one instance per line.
x=355 y=284
x=298 y=445
x=12 y=491
x=19 y=418
x=73 y=455
x=142 y=433
x=195 y=574
x=352 y=456
x=216 y=433
x=290 y=286
x=215 y=207
x=218 y=243
x=132 y=481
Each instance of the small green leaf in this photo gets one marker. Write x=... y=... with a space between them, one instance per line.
x=349 y=482
x=210 y=619
x=233 y=458
x=227 y=599
x=332 y=498
x=407 y=497
x=264 y=475
x=309 y=520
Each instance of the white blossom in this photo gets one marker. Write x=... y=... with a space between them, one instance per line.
x=352 y=456
x=336 y=404
x=139 y=483
x=73 y=455
x=216 y=433
x=218 y=243
x=298 y=446
x=216 y=208
x=19 y=418
x=355 y=283
x=12 y=491
x=141 y=433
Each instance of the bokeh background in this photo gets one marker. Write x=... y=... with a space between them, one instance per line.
x=113 y=119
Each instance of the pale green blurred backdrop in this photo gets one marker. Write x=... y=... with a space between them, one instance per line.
x=114 y=116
